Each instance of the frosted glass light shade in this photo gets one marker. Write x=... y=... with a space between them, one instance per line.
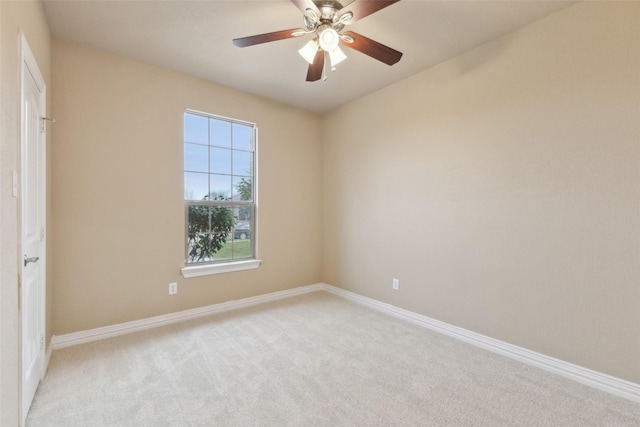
x=328 y=39
x=308 y=51
x=336 y=56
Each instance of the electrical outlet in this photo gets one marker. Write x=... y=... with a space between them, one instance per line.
x=396 y=284
x=173 y=288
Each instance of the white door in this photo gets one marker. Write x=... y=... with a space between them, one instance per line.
x=33 y=220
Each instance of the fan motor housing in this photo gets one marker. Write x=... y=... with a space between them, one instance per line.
x=328 y=13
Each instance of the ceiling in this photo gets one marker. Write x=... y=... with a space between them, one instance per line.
x=194 y=37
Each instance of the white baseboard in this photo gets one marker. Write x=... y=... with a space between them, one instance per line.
x=597 y=380
x=600 y=381
x=81 y=337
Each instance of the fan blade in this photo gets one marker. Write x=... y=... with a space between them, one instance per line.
x=303 y=5
x=373 y=48
x=363 y=8
x=268 y=37
x=315 y=70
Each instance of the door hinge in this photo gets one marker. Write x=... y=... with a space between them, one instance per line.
x=41 y=342
x=42 y=234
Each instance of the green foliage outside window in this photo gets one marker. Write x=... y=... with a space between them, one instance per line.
x=208 y=229
x=244 y=188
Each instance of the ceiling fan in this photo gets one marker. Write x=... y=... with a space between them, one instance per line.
x=326 y=20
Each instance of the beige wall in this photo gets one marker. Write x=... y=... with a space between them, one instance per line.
x=502 y=188
x=118 y=196
x=28 y=16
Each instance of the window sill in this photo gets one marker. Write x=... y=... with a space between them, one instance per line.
x=227 y=267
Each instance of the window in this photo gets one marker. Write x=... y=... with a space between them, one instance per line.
x=219 y=192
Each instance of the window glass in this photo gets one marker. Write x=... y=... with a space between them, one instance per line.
x=196 y=185
x=220 y=133
x=196 y=158
x=196 y=129
x=220 y=160
x=242 y=188
x=242 y=164
x=219 y=165
x=220 y=186
x=242 y=137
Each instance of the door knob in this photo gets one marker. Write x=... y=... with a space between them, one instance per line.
x=27 y=260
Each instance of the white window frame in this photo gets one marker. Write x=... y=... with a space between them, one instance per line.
x=231 y=265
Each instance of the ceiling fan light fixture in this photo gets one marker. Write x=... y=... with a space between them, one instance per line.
x=308 y=51
x=336 y=56
x=323 y=19
x=328 y=39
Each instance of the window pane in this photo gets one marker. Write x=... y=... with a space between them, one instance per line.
x=196 y=129
x=198 y=219
x=242 y=163
x=242 y=230
x=242 y=188
x=209 y=230
x=220 y=160
x=242 y=135
x=234 y=249
x=195 y=245
x=225 y=252
x=196 y=158
x=196 y=185
x=218 y=168
x=220 y=133
x=243 y=214
x=220 y=187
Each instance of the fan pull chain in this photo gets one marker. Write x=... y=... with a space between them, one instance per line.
x=324 y=69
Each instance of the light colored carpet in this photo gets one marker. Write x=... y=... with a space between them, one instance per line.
x=311 y=360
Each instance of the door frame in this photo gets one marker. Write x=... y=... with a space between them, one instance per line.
x=28 y=65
